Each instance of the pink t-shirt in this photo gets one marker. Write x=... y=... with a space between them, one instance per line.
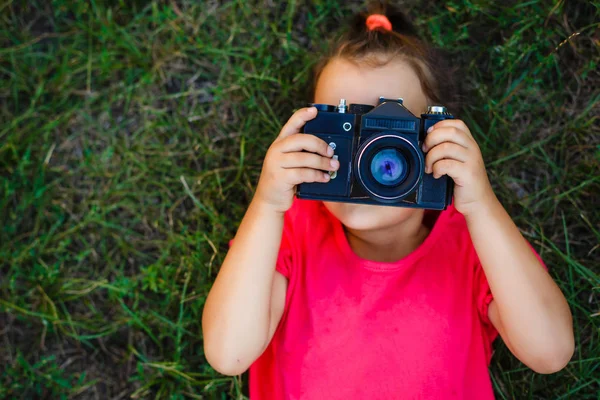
x=358 y=329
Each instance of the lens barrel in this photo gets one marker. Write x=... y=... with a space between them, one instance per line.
x=388 y=167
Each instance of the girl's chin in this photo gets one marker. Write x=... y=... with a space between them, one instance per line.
x=368 y=217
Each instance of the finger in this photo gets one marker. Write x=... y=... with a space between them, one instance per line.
x=297 y=121
x=445 y=151
x=451 y=123
x=305 y=142
x=451 y=168
x=447 y=134
x=296 y=176
x=309 y=160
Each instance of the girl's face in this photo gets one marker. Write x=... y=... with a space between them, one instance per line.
x=341 y=79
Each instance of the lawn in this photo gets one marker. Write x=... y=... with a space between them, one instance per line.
x=131 y=140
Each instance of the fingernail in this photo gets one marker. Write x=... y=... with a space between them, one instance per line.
x=326 y=176
x=311 y=109
x=334 y=163
x=430 y=129
x=424 y=148
x=329 y=151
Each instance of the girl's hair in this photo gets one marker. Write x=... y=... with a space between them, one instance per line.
x=378 y=47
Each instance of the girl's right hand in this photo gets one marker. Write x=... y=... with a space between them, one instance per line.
x=293 y=159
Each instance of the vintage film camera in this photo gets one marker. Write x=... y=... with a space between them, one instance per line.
x=379 y=150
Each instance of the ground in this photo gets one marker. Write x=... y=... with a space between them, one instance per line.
x=131 y=139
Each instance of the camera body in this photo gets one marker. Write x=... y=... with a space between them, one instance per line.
x=379 y=150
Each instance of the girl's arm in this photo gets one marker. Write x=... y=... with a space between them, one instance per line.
x=246 y=302
x=529 y=310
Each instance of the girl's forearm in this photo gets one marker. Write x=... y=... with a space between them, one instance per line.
x=235 y=321
x=534 y=316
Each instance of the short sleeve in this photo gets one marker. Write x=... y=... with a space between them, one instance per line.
x=285 y=256
x=287 y=247
x=484 y=296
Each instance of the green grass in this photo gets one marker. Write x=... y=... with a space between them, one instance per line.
x=131 y=139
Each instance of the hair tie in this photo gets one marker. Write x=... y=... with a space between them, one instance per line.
x=375 y=21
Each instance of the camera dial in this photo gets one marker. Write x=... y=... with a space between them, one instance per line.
x=322 y=107
x=437 y=110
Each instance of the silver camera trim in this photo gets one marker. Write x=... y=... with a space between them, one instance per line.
x=361 y=180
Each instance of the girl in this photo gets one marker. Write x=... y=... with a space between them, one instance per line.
x=344 y=301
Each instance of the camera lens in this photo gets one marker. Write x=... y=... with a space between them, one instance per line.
x=389 y=167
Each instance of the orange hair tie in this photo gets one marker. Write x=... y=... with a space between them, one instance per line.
x=375 y=21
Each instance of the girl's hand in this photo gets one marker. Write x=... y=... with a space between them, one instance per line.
x=293 y=159
x=451 y=150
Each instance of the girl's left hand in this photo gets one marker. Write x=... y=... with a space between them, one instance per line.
x=452 y=150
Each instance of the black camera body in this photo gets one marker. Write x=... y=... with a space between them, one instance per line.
x=379 y=150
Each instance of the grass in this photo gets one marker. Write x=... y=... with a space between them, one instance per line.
x=131 y=139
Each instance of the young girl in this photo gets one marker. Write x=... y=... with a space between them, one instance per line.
x=343 y=301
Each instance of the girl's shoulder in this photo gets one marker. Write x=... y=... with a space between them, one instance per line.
x=306 y=217
x=449 y=235
x=451 y=221
x=304 y=208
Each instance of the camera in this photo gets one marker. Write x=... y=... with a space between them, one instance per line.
x=379 y=150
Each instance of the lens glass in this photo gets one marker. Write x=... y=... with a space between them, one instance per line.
x=389 y=167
